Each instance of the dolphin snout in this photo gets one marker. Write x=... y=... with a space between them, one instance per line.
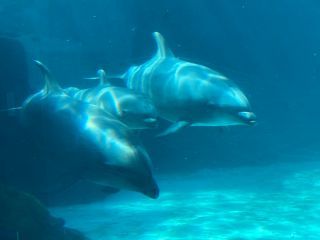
x=153 y=192
x=248 y=117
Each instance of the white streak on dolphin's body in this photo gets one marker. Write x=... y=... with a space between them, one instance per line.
x=188 y=94
x=105 y=152
x=133 y=109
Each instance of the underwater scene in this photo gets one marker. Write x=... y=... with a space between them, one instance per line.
x=159 y=120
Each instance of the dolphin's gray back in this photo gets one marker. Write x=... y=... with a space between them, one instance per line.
x=153 y=77
x=104 y=96
x=107 y=97
x=122 y=103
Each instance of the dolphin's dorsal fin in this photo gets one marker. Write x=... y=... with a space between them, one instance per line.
x=162 y=50
x=102 y=76
x=51 y=85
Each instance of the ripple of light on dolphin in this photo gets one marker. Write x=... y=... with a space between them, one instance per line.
x=133 y=109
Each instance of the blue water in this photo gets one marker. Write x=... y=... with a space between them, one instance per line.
x=275 y=202
x=234 y=183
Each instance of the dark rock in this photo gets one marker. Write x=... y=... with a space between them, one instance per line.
x=24 y=217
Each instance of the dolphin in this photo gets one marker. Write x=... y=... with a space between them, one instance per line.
x=133 y=109
x=93 y=145
x=188 y=94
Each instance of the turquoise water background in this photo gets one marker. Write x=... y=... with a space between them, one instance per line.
x=237 y=183
x=280 y=201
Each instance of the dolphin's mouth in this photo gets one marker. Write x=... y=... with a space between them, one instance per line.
x=154 y=192
x=248 y=117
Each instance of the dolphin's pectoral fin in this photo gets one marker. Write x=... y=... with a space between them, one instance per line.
x=163 y=51
x=174 y=128
x=62 y=184
x=116 y=77
x=11 y=110
x=101 y=82
x=91 y=78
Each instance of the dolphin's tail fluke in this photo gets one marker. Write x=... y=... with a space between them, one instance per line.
x=92 y=79
x=117 y=77
x=51 y=85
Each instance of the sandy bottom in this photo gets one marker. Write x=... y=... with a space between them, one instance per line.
x=274 y=202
